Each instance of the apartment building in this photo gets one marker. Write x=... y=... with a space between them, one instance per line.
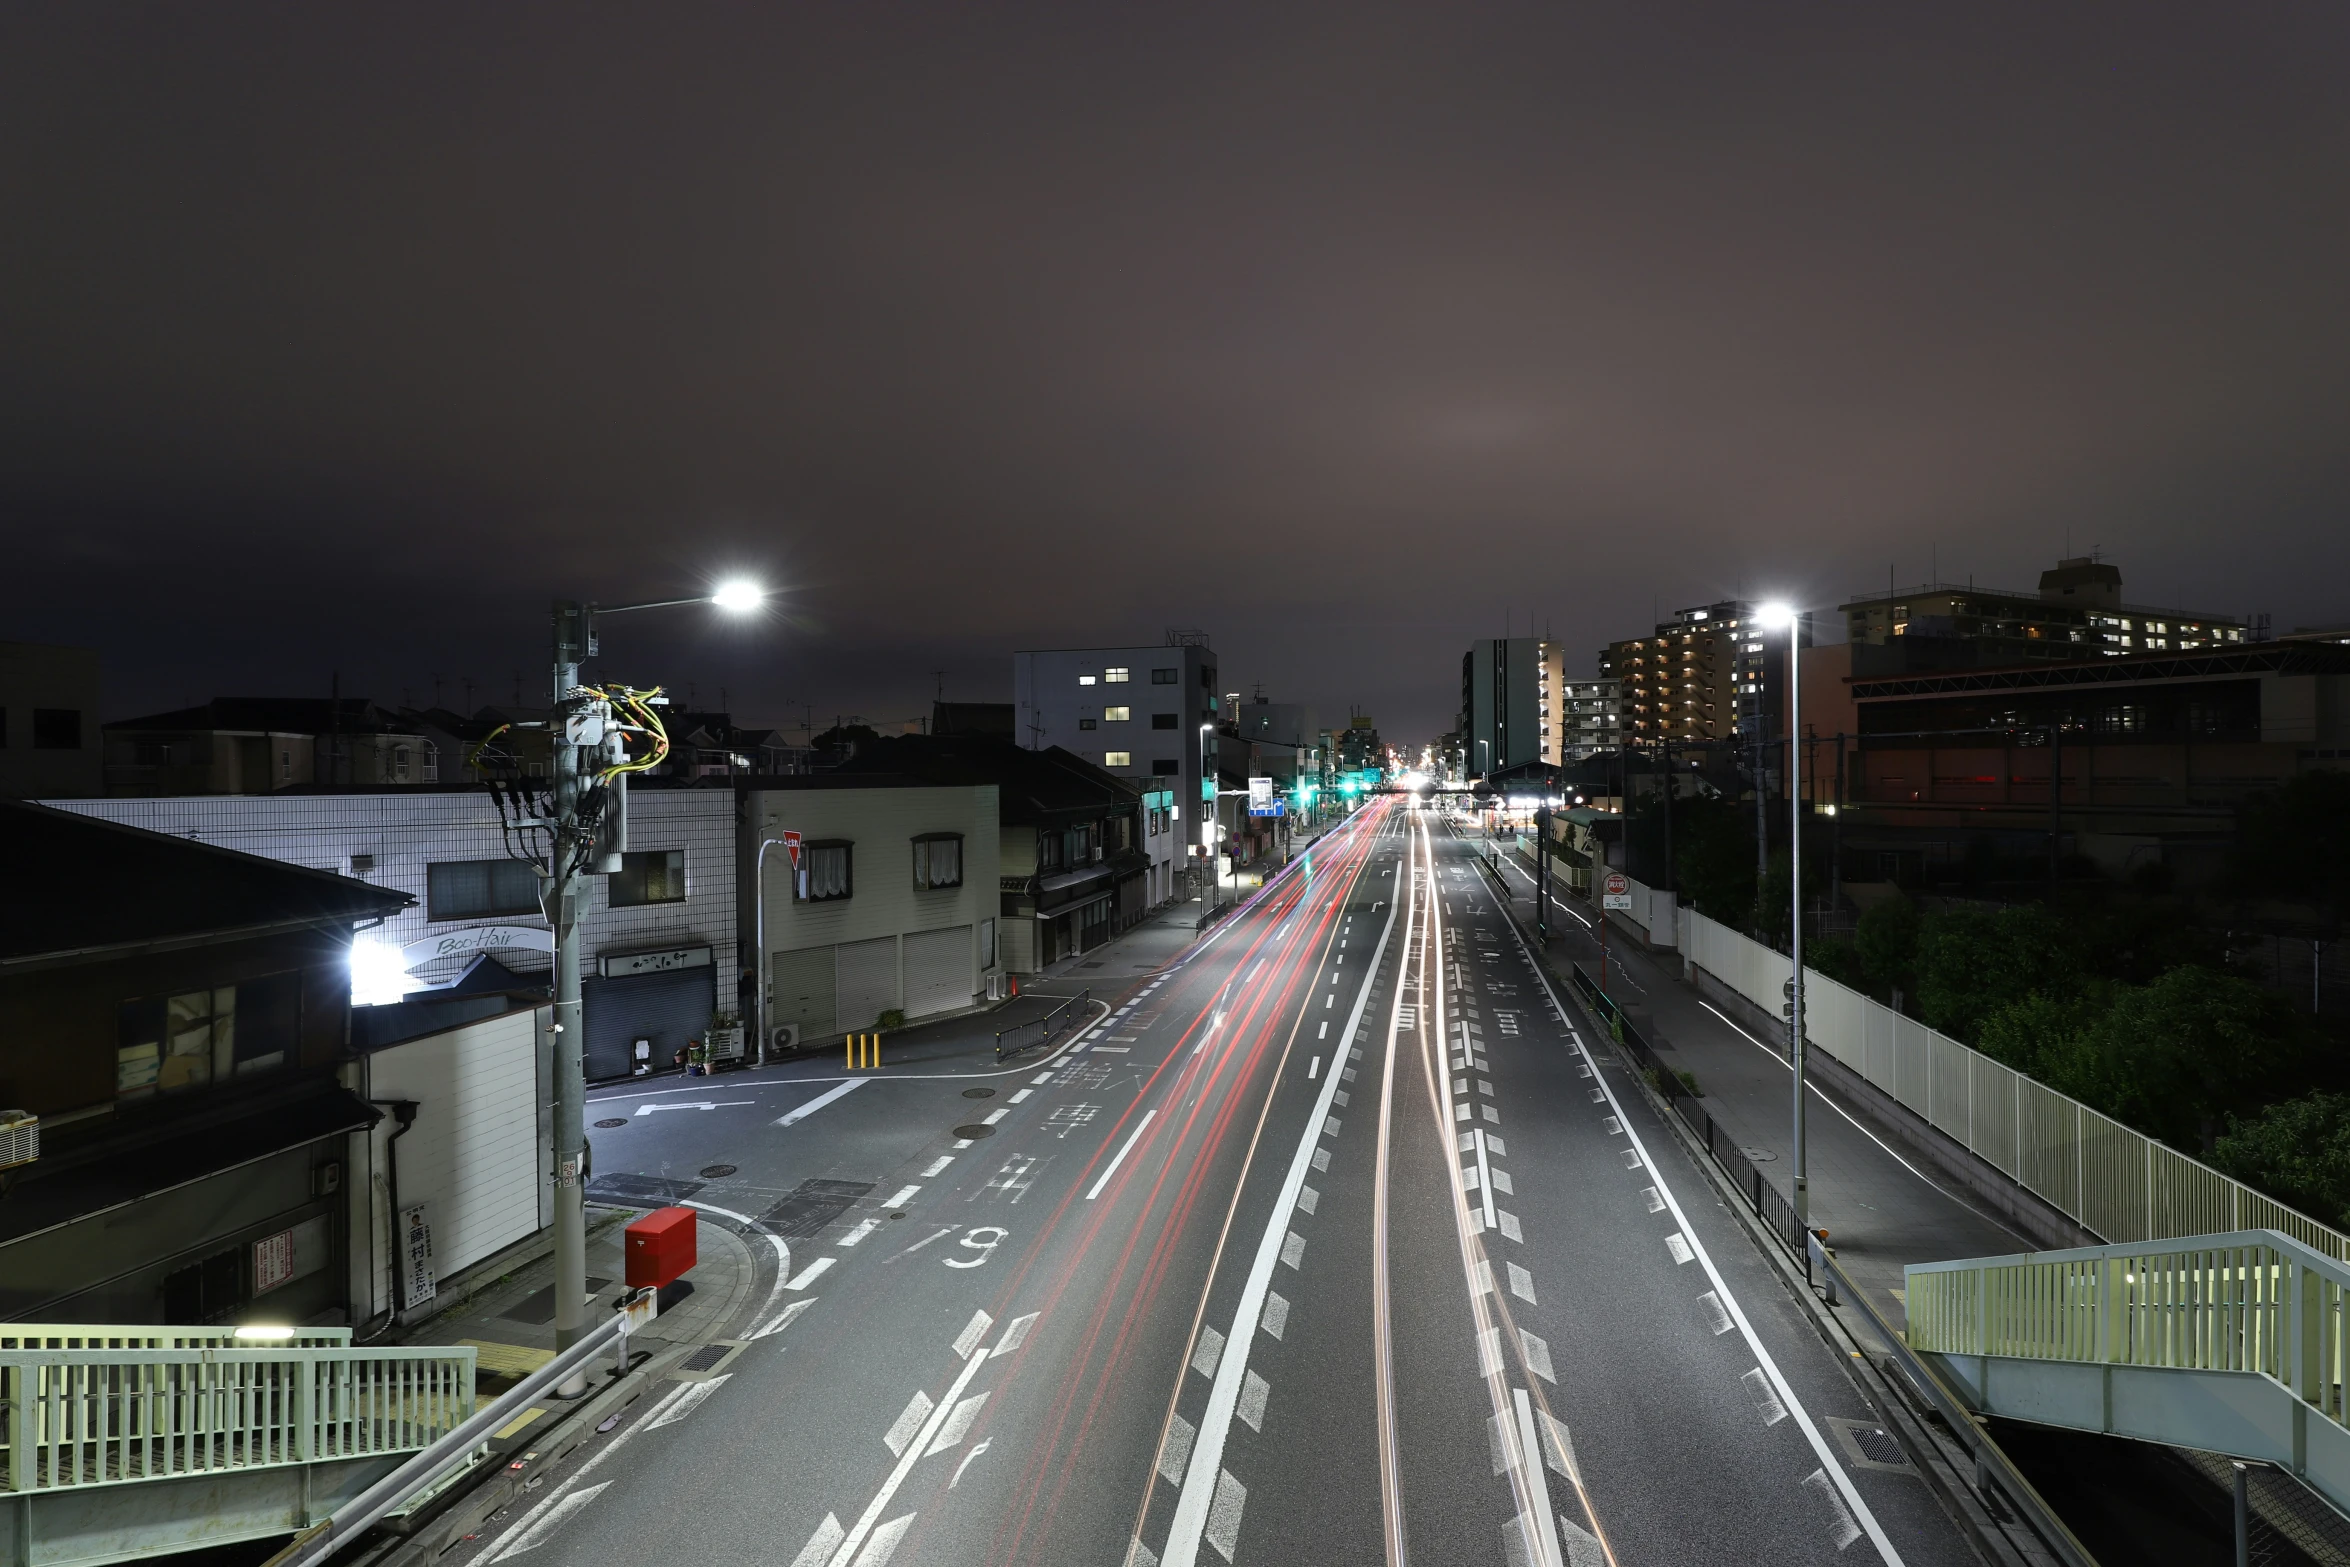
x=1586 y=717
x=2078 y=613
x=1505 y=704
x=261 y=745
x=1145 y=714
x=1710 y=674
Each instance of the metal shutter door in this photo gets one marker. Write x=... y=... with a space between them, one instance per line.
x=669 y=1009
x=803 y=990
x=865 y=978
x=938 y=971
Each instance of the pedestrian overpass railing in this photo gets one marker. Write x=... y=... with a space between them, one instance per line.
x=252 y=1420
x=2233 y=1343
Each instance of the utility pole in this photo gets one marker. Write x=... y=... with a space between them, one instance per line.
x=582 y=737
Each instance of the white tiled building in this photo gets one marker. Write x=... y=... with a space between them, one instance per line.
x=658 y=941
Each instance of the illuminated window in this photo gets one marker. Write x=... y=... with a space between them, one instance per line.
x=1085 y=680
x=1116 y=675
x=1116 y=715
x=1117 y=758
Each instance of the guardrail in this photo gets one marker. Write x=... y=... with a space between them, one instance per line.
x=84 y=1406
x=2110 y=1179
x=1770 y=1206
x=1042 y=1030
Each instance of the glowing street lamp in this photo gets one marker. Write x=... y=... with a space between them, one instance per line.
x=1774 y=617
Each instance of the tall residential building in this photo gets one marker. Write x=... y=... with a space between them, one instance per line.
x=2077 y=614
x=1146 y=714
x=1587 y=718
x=1709 y=674
x=1504 y=704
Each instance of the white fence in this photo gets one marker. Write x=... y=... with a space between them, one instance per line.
x=85 y=1406
x=2114 y=1182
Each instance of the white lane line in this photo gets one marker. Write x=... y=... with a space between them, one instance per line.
x=695 y=1393
x=860 y=1232
x=511 y=1540
x=1313 y=1068
x=821 y=1100
x=1856 y=1126
x=809 y=1274
x=1122 y=1153
x=973 y=1331
x=1022 y=1094
x=909 y=1421
x=905 y=1464
x=1484 y=1178
x=1040 y=1079
x=968 y=1459
x=994 y=1116
x=1200 y=1476
x=782 y=1250
x=937 y=1165
x=538 y=1532
x=791 y=1314
x=902 y=1196
x=1770 y=1367
x=1545 y=1531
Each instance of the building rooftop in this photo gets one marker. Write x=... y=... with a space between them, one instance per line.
x=186 y=893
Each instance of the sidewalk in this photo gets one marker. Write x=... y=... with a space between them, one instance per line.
x=1880 y=1209
x=508 y=1316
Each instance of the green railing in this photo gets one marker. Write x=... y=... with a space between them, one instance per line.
x=98 y=1405
x=2250 y=1301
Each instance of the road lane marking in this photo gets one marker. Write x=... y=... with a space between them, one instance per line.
x=509 y=1542
x=821 y=1100
x=968 y=1459
x=860 y=1232
x=1769 y=1366
x=909 y=1421
x=903 y=1196
x=791 y=1314
x=937 y=1165
x=1022 y=1094
x=699 y=1104
x=538 y=1532
x=1193 y=1506
x=1313 y=1068
x=994 y=1116
x=695 y=1393
x=809 y=1274
x=1014 y=1336
x=1122 y=1153
x=905 y=1465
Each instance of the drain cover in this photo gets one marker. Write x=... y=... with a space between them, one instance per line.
x=704 y=1358
x=975 y=1131
x=979 y=1093
x=614 y=1120
x=711 y=1172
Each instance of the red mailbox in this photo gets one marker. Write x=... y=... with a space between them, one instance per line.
x=660 y=1248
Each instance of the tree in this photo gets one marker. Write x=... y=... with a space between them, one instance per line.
x=1713 y=858
x=1772 y=900
x=2040 y=1034
x=1972 y=962
x=1888 y=943
x=2297 y=1151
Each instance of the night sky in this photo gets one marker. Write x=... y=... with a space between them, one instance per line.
x=339 y=339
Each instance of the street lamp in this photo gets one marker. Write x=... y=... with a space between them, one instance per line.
x=1772 y=617
x=575 y=727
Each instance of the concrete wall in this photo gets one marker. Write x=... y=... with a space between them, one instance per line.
x=34 y=677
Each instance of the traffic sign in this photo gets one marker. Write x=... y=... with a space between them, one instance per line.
x=1616 y=891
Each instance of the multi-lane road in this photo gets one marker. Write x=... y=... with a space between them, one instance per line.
x=1329 y=1242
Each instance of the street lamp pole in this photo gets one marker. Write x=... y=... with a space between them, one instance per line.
x=573 y=738
x=759 y=929
x=1781 y=614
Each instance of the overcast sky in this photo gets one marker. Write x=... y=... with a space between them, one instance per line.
x=342 y=338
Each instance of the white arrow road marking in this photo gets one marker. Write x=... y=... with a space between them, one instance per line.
x=821 y=1100
x=537 y=1534
x=701 y=1104
x=688 y=1402
x=520 y=1537
x=905 y=1464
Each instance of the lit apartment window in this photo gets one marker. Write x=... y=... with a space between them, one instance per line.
x=1117 y=758
x=1116 y=675
x=826 y=869
x=1085 y=680
x=938 y=859
x=1116 y=715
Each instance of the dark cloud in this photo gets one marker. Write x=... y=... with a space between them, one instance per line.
x=334 y=340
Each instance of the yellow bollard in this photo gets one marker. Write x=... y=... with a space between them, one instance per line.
x=848 y=1051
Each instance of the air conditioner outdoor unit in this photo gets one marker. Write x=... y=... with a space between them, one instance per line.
x=786 y=1036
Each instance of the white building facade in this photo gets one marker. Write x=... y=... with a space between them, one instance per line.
x=885 y=901
x=659 y=955
x=1145 y=714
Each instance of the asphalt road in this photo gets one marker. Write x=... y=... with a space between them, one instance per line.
x=1326 y=1244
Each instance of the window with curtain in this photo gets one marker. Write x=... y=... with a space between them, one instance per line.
x=471 y=889
x=824 y=870
x=648 y=876
x=938 y=859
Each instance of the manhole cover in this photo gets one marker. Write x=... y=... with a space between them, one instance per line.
x=704 y=1358
x=613 y=1120
x=979 y=1093
x=1879 y=1445
x=975 y=1130
x=712 y=1172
